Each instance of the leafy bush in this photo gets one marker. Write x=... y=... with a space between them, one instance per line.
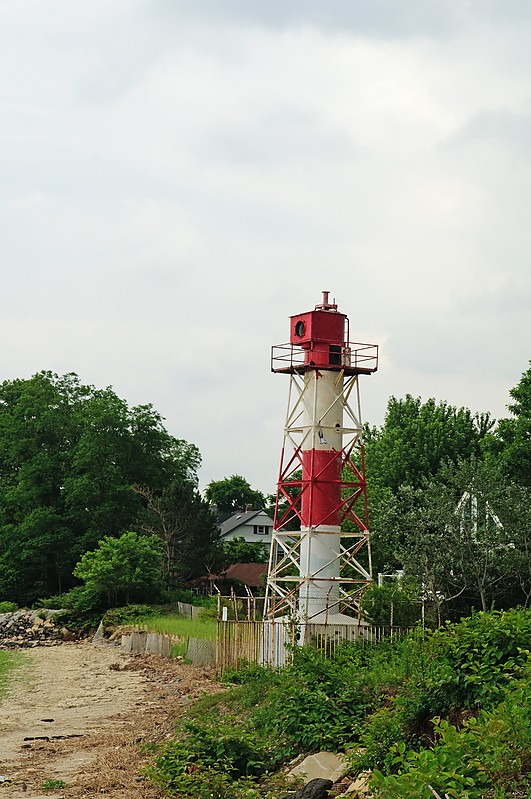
x=488 y=752
x=217 y=753
x=210 y=610
x=267 y=717
x=440 y=769
x=397 y=602
x=54 y=602
x=8 y=607
x=83 y=607
x=174 y=595
x=238 y=550
x=321 y=702
x=461 y=667
x=127 y=568
x=205 y=782
x=114 y=617
x=233 y=749
x=319 y=712
x=380 y=734
x=469 y=664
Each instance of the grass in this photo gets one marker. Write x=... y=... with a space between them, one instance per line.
x=181 y=627
x=9 y=662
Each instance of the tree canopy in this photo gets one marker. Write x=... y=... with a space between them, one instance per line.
x=79 y=466
x=186 y=525
x=449 y=500
x=232 y=494
x=125 y=569
x=238 y=550
x=69 y=457
x=514 y=434
x=416 y=438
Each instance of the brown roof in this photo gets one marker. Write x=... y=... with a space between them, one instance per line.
x=247 y=573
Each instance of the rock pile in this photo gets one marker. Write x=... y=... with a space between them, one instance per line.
x=27 y=628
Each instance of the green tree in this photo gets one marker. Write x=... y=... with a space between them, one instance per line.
x=186 y=526
x=238 y=550
x=417 y=438
x=232 y=494
x=69 y=456
x=125 y=569
x=463 y=537
x=513 y=436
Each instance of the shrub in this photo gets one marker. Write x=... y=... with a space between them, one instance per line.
x=231 y=754
x=127 y=568
x=206 y=782
x=8 y=607
x=469 y=664
x=83 y=607
x=114 y=617
x=383 y=697
x=318 y=701
x=55 y=602
x=488 y=752
x=380 y=734
x=397 y=602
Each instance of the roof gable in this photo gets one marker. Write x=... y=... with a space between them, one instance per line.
x=240 y=518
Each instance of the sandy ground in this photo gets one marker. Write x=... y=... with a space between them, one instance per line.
x=81 y=713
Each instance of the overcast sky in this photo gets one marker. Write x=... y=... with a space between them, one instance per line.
x=178 y=177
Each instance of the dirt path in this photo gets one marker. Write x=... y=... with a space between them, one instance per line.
x=80 y=713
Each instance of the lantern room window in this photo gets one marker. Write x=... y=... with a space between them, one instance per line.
x=335 y=355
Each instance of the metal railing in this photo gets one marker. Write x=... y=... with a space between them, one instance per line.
x=354 y=358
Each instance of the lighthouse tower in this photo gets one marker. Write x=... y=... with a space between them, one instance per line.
x=320 y=555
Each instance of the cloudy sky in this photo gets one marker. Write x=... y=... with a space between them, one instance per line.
x=178 y=177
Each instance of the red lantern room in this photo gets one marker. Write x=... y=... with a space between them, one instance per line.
x=319 y=339
x=321 y=333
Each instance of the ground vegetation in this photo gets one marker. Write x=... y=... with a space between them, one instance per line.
x=447 y=710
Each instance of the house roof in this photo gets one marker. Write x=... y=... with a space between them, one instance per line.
x=247 y=573
x=240 y=517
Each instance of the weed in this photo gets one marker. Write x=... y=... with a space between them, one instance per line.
x=53 y=785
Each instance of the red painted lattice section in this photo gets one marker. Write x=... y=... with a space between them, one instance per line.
x=313 y=487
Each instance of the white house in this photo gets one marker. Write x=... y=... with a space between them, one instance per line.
x=255 y=526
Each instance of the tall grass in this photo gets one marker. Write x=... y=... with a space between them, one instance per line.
x=182 y=627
